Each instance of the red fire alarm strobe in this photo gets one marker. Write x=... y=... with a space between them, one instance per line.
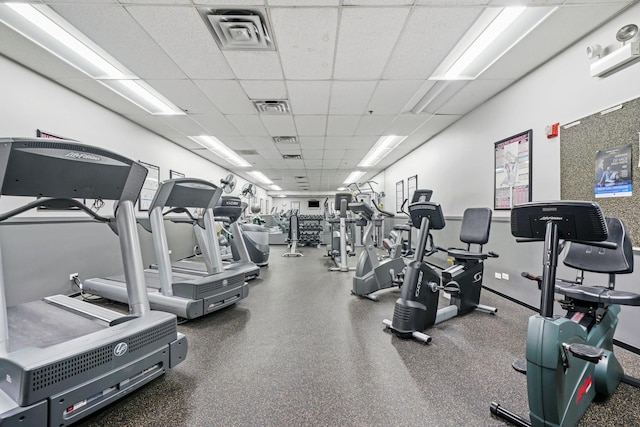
x=552 y=130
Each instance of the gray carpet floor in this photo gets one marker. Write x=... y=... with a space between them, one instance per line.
x=302 y=351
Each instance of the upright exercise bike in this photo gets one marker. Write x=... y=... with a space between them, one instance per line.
x=417 y=307
x=570 y=358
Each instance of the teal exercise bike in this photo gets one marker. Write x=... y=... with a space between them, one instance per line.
x=570 y=359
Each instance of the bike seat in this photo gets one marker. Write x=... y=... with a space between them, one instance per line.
x=463 y=254
x=598 y=294
x=402 y=227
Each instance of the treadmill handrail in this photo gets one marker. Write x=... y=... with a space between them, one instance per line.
x=49 y=202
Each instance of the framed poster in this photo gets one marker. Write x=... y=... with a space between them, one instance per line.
x=149 y=187
x=295 y=206
x=412 y=185
x=613 y=172
x=174 y=174
x=512 y=178
x=399 y=196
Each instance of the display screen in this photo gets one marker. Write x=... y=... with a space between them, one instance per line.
x=314 y=204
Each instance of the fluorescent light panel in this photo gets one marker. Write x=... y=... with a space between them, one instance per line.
x=492 y=35
x=275 y=187
x=353 y=177
x=260 y=177
x=214 y=145
x=383 y=146
x=41 y=25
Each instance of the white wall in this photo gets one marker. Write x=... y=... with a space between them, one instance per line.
x=31 y=102
x=285 y=203
x=458 y=163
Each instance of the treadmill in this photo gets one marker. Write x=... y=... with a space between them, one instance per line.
x=228 y=209
x=186 y=295
x=55 y=376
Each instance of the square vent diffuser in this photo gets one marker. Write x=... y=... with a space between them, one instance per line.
x=238 y=29
x=272 y=107
x=292 y=156
x=285 y=139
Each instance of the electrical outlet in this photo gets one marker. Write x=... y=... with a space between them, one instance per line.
x=505 y=276
x=73 y=276
x=498 y=276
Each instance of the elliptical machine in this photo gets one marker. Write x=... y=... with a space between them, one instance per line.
x=340 y=251
x=570 y=358
x=372 y=274
x=417 y=307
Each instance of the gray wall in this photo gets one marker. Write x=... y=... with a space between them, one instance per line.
x=38 y=255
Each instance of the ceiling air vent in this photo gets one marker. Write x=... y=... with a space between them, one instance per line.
x=292 y=156
x=285 y=139
x=272 y=107
x=239 y=29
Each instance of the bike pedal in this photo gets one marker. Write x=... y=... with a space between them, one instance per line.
x=520 y=365
x=586 y=352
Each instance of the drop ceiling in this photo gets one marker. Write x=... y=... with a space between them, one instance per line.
x=351 y=71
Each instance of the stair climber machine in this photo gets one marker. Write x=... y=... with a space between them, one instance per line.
x=61 y=358
x=341 y=248
x=570 y=359
x=372 y=274
x=417 y=307
x=185 y=295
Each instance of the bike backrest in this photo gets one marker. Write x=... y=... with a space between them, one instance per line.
x=600 y=260
x=476 y=223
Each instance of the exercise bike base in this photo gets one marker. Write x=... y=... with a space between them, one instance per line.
x=418 y=336
x=509 y=416
x=367 y=296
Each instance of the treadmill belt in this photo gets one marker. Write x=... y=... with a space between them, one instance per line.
x=39 y=324
x=152 y=279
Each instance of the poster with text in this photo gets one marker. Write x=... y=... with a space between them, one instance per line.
x=613 y=172
x=513 y=171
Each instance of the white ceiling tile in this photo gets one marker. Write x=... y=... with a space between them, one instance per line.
x=185 y=142
x=312 y=142
x=452 y=2
x=102 y=95
x=186 y=125
x=355 y=154
x=170 y=26
x=160 y=126
x=311 y=125
x=472 y=95
x=260 y=142
x=279 y=125
x=313 y=163
x=185 y=95
x=256 y=65
x=309 y=154
x=303 y=2
x=213 y=158
x=248 y=125
x=227 y=95
x=378 y=2
x=232 y=2
x=342 y=125
x=113 y=29
x=309 y=97
x=215 y=124
x=294 y=163
x=350 y=97
x=238 y=143
x=335 y=153
x=406 y=124
x=374 y=124
x=429 y=35
x=331 y=163
x=264 y=89
x=350 y=142
x=367 y=37
x=306 y=39
x=391 y=96
x=270 y=154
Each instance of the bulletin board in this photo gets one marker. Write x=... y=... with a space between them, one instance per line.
x=590 y=145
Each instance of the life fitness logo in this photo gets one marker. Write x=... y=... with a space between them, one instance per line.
x=82 y=156
x=120 y=349
x=584 y=388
